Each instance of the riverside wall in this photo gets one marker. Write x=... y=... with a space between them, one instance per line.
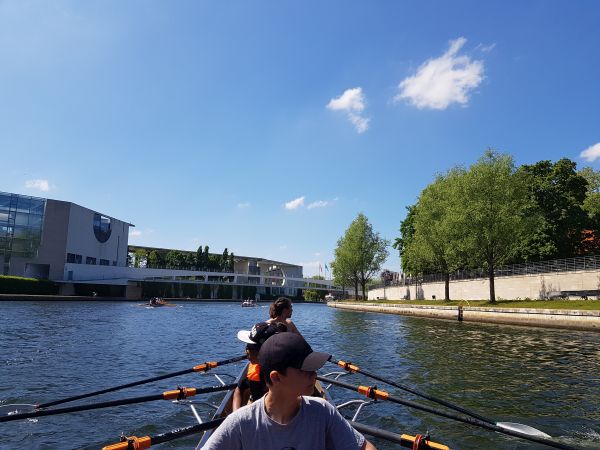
x=546 y=318
x=536 y=286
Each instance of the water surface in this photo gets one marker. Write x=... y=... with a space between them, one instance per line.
x=549 y=379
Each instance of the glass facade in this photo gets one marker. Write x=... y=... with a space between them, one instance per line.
x=21 y=219
x=102 y=228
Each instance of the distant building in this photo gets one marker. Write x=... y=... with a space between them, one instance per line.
x=39 y=237
x=86 y=251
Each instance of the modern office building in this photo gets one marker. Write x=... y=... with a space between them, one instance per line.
x=40 y=237
x=86 y=251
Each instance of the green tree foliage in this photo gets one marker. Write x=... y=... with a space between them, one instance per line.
x=206 y=258
x=223 y=264
x=199 y=258
x=496 y=213
x=436 y=229
x=139 y=258
x=359 y=254
x=407 y=230
x=153 y=259
x=591 y=204
x=231 y=262
x=558 y=192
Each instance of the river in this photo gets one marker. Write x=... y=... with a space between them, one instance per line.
x=549 y=379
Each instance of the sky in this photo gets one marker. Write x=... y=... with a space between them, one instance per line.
x=265 y=127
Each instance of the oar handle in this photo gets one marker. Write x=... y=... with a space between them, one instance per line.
x=199 y=368
x=177 y=394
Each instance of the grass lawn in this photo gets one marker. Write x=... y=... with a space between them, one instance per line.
x=586 y=305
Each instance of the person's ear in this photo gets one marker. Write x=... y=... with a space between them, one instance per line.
x=274 y=376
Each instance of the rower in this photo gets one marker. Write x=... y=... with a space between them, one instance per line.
x=287 y=417
x=250 y=387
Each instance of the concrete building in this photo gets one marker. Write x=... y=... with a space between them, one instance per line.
x=40 y=237
x=86 y=252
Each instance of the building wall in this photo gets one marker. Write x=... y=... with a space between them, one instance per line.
x=82 y=241
x=507 y=288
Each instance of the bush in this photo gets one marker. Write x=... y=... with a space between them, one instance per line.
x=32 y=286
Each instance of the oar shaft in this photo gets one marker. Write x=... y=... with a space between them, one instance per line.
x=137 y=383
x=127 y=401
x=439 y=401
x=382 y=395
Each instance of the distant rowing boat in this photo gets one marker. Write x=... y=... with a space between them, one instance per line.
x=156 y=302
x=248 y=303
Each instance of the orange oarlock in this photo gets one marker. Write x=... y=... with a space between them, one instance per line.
x=205 y=367
x=131 y=442
x=373 y=392
x=420 y=440
x=179 y=394
x=348 y=366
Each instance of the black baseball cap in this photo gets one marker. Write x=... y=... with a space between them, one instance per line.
x=285 y=350
x=260 y=332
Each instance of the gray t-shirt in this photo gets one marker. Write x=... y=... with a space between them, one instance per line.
x=317 y=426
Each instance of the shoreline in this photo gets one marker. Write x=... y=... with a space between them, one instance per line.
x=544 y=318
x=89 y=298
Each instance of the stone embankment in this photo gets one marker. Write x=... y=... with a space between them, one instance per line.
x=549 y=318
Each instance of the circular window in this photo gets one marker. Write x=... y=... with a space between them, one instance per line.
x=102 y=227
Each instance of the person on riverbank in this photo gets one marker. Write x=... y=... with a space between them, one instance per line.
x=280 y=311
x=287 y=417
x=250 y=386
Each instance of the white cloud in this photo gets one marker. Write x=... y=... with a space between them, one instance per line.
x=41 y=185
x=352 y=102
x=318 y=204
x=295 y=204
x=591 y=153
x=244 y=205
x=135 y=233
x=439 y=82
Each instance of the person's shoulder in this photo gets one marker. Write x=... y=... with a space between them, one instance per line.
x=317 y=403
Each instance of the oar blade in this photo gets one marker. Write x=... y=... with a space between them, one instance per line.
x=525 y=429
x=16 y=408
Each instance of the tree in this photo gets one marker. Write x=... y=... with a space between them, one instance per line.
x=224 y=260
x=436 y=231
x=205 y=258
x=153 y=259
x=199 y=258
x=140 y=256
x=359 y=254
x=407 y=230
x=496 y=212
x=231 y=263
x=558 y=192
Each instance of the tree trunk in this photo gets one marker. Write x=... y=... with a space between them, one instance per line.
x=363 y=286
x=447 y=286
x=355 y=289
x=492 y=288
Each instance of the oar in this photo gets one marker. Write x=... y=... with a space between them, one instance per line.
x=372 y=392
x=178 y=394
x=147 y=441
x=199 y=368
x=405 y=440
x=519 y=427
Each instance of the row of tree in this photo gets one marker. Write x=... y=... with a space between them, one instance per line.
x=175 y=259
x=495 y=213
x=358 y=256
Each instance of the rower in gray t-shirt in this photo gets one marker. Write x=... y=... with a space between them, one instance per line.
x=317 y=425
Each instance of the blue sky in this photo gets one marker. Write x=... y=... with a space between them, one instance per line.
x=266 y=127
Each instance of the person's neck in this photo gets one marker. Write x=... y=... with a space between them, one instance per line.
x=281 y=408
